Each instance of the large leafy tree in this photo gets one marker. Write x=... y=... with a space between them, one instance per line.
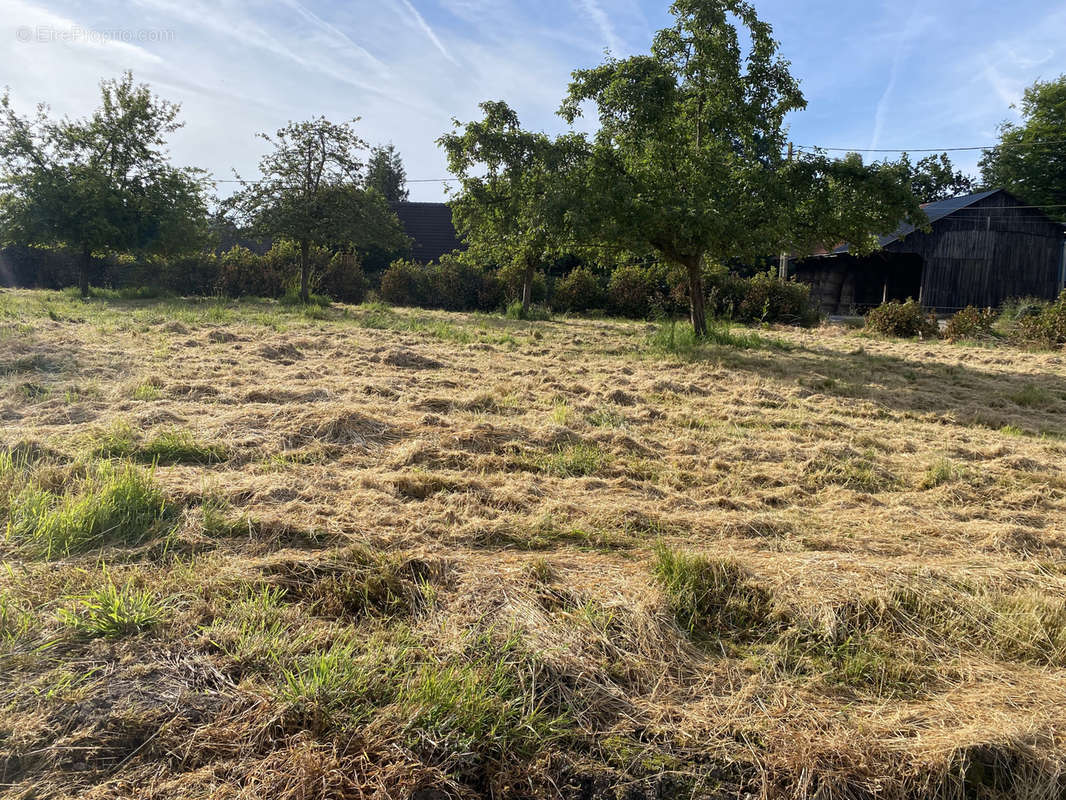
x=935 y=178
x=312 y=192
x=517 y=190
x=1030 y=160
x=100 y=184
x=385 y=172
x=690 y=160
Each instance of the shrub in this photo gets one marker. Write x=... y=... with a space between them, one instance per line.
x=634 y=291
x=1046 y=328
x=905 y=320
x=971 y=323
x=511 y=277
x=405 y=283
x=454 y=284
x=242 y=272
x=343 y=279
x=761 y=298
x=580 y=290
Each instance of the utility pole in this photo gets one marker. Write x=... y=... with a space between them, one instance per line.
x=782 y=265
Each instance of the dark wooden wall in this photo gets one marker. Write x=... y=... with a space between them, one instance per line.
x=987 y=253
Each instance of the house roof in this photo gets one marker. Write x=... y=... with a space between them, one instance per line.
x=431 y=230
x=935 y=211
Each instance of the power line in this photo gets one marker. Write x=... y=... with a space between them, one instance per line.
x=1049 y=143
x=412 y=180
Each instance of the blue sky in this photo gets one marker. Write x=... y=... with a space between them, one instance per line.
x=875 y=74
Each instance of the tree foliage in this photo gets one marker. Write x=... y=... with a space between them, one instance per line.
x=312 y=192
x=690 y=158
x=1030 y=160
x=100 y=184
x=385 y=172
x=935 y=178
x=516 y=190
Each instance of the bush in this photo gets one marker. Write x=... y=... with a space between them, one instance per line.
x=635 y=291
x=580 y=290
x=762 y=298
x=405 y=283
x=905 y=320
x=971 y=323
x=1047 y=328
x=343 y=279
x=511 y=277
x=242 y=272
x=454 y=285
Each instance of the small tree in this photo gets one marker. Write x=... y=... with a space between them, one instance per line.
x=935 y=178
x=100 y=184
x=1029 y=159
x=312 y=193
x=689 y=161
x=385 y=172
x=516 y=190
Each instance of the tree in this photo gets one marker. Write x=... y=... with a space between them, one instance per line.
x=935 y=178
x=312 y=193
x=689 y=161
x=385 y=172
x=100 y=184
x=1030 y=160
x=516 y=190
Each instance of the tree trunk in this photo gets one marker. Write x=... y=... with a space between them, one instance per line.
x=305 y=271
x=697 y=314
x=84 y=265
x=527 y=286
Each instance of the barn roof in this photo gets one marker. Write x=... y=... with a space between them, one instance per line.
x=935 y=211
x=431 y=230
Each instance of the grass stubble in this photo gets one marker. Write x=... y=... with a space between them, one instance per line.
x=251 y=550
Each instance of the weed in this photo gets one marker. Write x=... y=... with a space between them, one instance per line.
x=532 y=314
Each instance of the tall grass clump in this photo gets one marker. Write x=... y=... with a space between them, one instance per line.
x=468 y=711
x=680 y=340
x=712 y=597
x=113 y=611
x=105 y=503
x=165 y=448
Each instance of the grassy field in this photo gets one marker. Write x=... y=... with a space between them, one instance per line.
x=255 y=551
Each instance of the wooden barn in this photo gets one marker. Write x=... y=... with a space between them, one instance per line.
x=982 y=249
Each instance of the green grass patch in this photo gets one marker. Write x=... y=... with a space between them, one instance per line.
x=102 y=503
x=470 y=709
x=680 y=340
x=572 y=461
x=166 y=448
x=940 y=473
x=1032 y=396
x=113 y=611
x=712 y=597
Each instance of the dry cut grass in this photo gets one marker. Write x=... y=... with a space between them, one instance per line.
x=254 y=551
